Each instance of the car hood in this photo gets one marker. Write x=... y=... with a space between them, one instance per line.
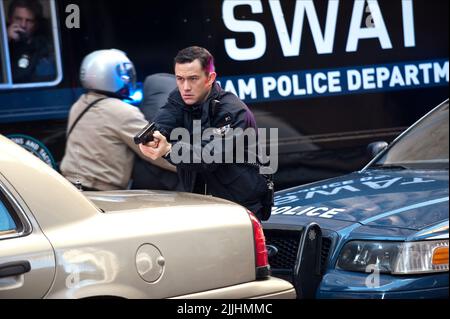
x=115 y=201
x=381 y=198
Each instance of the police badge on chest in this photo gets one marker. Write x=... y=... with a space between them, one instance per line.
x=24 y=61
x=224 y=127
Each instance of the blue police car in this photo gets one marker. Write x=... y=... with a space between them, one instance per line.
x=382 y=232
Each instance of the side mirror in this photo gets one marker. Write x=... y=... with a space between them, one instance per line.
x=375 y=148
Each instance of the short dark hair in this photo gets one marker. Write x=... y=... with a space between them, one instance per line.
x=33 y=5
x=190 y=54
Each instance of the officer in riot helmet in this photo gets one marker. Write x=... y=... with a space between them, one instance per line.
x=100 y=150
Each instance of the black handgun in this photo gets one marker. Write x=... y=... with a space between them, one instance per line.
x=145 y=135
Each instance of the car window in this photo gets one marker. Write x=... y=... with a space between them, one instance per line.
x=29 y=48
x=425 y=145
x=7 y=224
x=13 y=220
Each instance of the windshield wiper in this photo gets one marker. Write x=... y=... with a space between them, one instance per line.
x=389 y=166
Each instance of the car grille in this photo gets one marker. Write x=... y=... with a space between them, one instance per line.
x=326 y=245
x=287 y=242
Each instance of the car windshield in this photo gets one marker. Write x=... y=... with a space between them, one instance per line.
x=424 y=146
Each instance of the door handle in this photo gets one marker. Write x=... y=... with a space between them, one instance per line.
x=14 y=268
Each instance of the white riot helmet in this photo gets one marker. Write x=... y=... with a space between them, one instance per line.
x=108 y=71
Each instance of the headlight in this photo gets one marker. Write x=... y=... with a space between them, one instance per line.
x=397 y=258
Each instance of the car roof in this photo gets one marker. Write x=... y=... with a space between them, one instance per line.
x=43 y=189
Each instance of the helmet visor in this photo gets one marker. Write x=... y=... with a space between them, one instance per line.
x=127 y=74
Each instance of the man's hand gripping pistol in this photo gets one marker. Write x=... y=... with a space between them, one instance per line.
x=145 y=135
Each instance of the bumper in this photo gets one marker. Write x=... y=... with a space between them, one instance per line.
x=271 y=288
x=348 y=285
x=439 y=293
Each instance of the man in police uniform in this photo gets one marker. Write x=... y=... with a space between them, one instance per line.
x=199 y=97
x=32 y=59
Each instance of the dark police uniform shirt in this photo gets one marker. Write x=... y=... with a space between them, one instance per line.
x=32 y=61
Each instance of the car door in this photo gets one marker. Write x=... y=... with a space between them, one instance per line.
x=27 y=262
